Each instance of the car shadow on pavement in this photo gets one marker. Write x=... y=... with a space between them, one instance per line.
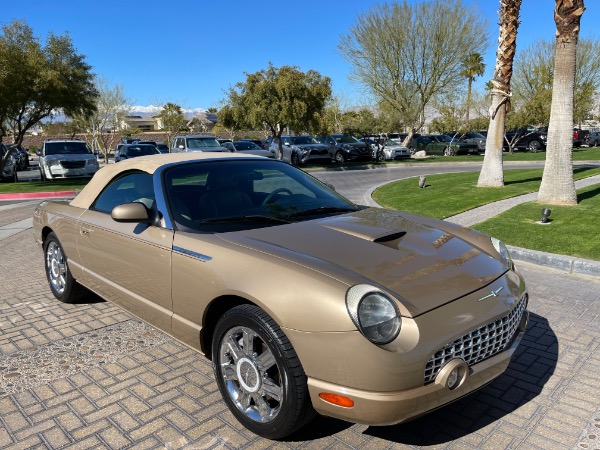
x=531 y=367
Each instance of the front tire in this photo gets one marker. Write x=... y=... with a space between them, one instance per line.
x=533 y=146
x=61 y=282
x=294 y=159
x=449 y=151
x=340 y=158
x=259 y=374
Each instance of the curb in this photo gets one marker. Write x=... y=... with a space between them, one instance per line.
x=37 y=195
x=569 y=264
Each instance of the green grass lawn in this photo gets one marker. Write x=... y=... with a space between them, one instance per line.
x=40 y=186
x=573 y=229
x=450 y=194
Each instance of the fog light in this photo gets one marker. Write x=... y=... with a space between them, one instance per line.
x=452 y=378
x=453 y=374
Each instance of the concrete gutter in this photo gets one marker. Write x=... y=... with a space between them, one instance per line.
x=569 y=264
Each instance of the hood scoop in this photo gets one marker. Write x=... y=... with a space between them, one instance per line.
x=390 y=237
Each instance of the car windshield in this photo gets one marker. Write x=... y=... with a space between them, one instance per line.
x=345 y=139
x=304 y=140
x=202 y=142
x=232 y=195
x=66 y=148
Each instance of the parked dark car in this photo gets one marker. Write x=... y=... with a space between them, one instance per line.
x=475 y=138
x=162 y=147
x=593 y=139
x=8 y=166
x=526 y=138
x=344 y=147
x=580 y=137
x=249 y=148
x=303 y=149
x=132 y=150
x=442 y=144
x=21 y=157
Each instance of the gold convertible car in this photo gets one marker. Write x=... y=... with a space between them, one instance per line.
x=304 y=301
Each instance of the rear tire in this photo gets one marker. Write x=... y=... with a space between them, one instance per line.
x=259 y=374
x=340 y=158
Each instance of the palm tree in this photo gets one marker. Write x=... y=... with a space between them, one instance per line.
x=492 y=172
x=558 y=187
x=473 y=68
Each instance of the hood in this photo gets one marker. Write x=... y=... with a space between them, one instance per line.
x=426 y=266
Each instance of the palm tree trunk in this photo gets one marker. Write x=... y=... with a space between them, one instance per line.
x=492 y=171
x=469 y=85
x=558 y=186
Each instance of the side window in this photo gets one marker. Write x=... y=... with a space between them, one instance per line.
x=179 y=143
x=133 y=187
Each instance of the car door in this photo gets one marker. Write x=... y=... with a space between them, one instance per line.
x=128 y=263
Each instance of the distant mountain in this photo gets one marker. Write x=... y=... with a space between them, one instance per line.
x=151 y=110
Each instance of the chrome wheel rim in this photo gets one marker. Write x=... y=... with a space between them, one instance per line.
x=56 y=267
x=252 y=377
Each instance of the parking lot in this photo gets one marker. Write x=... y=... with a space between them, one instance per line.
x=90 y=375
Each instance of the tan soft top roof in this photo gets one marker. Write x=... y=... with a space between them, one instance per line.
x=147 y=164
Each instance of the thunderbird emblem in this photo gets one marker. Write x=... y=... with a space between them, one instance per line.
x=493 y=294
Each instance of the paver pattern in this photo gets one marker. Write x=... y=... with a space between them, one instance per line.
x=154 y=392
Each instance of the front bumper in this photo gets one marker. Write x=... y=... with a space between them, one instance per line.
x=61 y=172
x=395 y=382
x=387 y=408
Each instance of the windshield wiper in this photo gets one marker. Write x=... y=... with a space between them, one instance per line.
x=322 y=210
x=250 y=218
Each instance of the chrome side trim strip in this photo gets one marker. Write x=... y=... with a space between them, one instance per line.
x=187 y=252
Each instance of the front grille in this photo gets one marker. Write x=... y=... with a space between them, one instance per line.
x=479 y=344
x=68 y=164
x=319 y=152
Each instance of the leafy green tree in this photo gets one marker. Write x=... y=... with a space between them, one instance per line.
x=407 y=53
x=39 y=79
x=533 y=80
x=473 y=67
x=557 y=186
x=277 y=98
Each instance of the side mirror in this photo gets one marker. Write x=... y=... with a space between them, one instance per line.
x=38 y=152
x=287 y=144
x=131 y=212
x=180 y=146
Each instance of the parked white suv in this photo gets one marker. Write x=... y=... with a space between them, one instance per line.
x=66 y=159
x=196 y=144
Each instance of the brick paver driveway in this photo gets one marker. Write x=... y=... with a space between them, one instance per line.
x=92 y=376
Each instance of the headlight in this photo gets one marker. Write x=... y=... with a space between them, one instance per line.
x=91 y=162
x=501 y=248
x=374 y=313
x=55 y=162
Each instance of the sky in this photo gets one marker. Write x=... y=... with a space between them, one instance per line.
x=190 y=51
